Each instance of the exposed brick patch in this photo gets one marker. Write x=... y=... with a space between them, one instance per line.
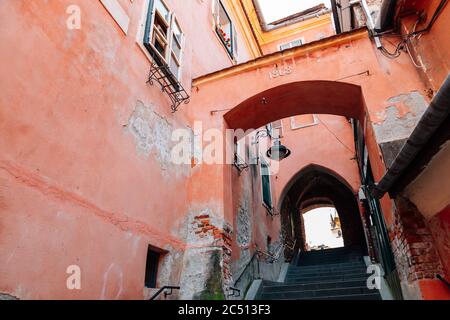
x=222 y=237
x=412 y=244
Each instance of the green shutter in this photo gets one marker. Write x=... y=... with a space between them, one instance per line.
x=266 y=192
x=148 y=22
x=148 y=27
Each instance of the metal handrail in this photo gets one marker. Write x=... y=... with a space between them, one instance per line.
x=171 y=288
x=245 y=268
x=292 y=247
x=233 y=291
x=443 y=280
x=274 y=256
x=258 y=252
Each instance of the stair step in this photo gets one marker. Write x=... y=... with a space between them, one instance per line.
x=308 y=273
x=328 y=278
x=276 y=287
x=329 y=260
x=331 y=267
x=334 y=254
x=317 y=293
x=340 y=249
x=368 y=296
x=332 y=274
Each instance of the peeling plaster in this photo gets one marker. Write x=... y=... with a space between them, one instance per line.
x=152 y=133
x=203 y=262
x=243 y=223
x=153 y=136
x=196 y=271
x=400 y=117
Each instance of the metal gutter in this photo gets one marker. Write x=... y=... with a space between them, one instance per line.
x=370 y=23
x=432 y=119
x=337 y=23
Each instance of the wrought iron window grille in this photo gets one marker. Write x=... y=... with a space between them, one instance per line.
x=240 y=164
x=271 y=211
x=169 y=85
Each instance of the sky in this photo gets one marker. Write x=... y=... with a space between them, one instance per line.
x=317 y=228
x=277 y=9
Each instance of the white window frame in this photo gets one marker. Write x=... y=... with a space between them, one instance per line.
x=240 y=151
x=294 y=126
x=233 y=53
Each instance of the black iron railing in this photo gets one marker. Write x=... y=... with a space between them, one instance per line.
x=239 y=163
x=233 y=292
x=438 y=276
x=168 y=290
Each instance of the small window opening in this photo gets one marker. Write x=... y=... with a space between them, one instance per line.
x=151 y=267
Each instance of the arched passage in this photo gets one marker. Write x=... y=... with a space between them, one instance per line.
x=315 y=186
x=308 y=97
x=303 y=97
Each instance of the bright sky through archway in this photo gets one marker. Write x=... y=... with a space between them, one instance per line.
x=277 y=9
x=318 y=228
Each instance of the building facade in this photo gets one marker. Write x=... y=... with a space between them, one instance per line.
x=98 y=95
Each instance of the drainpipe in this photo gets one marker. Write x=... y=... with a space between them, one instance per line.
x=337 y=23
x=386 y=16
x=370 y=23
x=431 y=120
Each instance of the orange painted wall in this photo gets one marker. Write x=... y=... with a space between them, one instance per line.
x=75 y=186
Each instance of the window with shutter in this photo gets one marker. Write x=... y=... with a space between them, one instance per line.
x=265 y=181
x=163 y=37
x=224 y=28
x=303 y=121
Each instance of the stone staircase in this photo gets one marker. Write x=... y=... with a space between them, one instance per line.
x=332 y=274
